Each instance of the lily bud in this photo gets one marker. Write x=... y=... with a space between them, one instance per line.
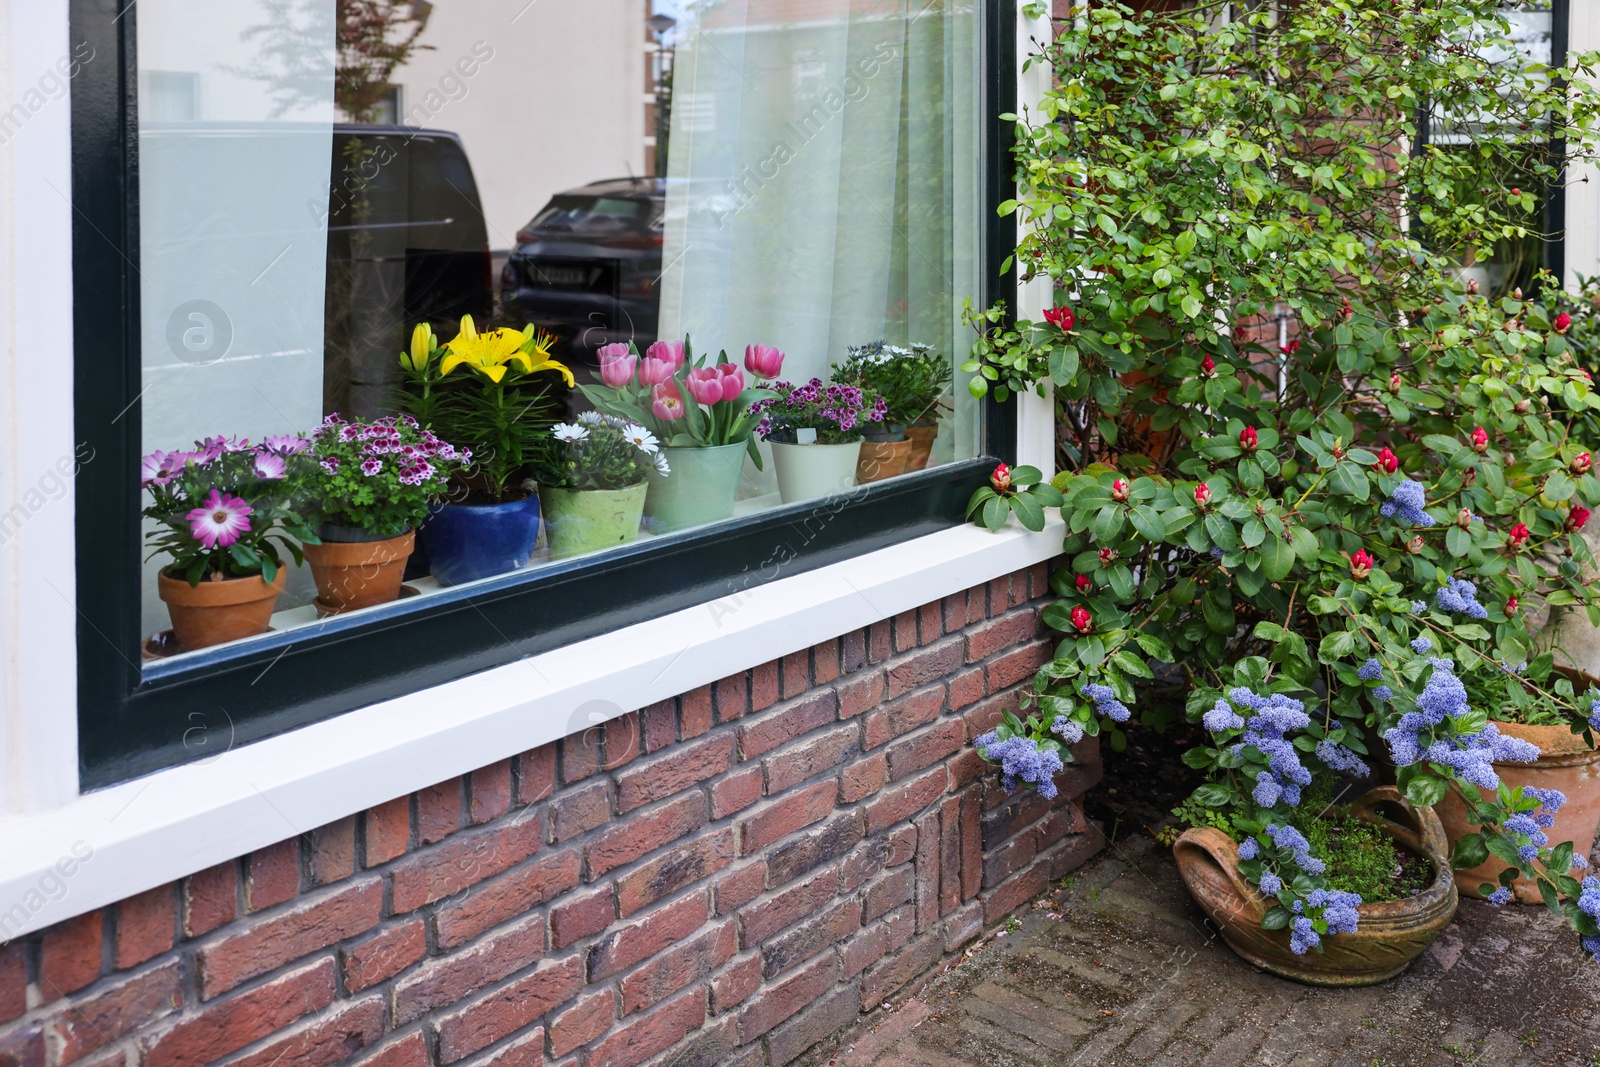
x=422 y=346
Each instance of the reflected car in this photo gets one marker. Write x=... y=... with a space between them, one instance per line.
x=587 y=266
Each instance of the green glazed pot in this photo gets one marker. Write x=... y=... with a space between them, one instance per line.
x=587 y=520
x=702 y=487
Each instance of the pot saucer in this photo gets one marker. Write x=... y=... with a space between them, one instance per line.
x=325 y=610
x=164 y=644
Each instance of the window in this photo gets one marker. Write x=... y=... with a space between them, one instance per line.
x=376 y=236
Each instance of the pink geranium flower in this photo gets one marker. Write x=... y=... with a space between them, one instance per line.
x=220 y=522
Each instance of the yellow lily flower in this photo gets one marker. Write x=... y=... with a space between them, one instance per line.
x=535 y=355
x=486 y=352
x=422 y=345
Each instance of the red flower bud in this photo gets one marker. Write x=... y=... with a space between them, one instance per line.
x=1291 y=348
x=1202 y=494
x=1083 y=583
x=1360 y=564
x=1107 y=556
x=1247 y=438
x=1082 y=621
x=1061 y=318
x=1577 y=517
x=1562 y=323
x=1518 y=535
x=1208 y=366
x=1415 y=545
x=1581 y=463
x=1464 y=519
x=1394 y=383
x=1001 y=479
x=1511 y=607
x=1517 y=192
x=1480 y=440
x=1388 y=462
x=1119 y=490
x=1472 y=287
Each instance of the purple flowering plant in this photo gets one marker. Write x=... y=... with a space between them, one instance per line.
x=223 y=509
x=378 y=476
x=838 y=413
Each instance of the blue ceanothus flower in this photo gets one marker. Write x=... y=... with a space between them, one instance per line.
x=1106 y=702
x=1272 y=718
x=1021 y=758
x=1407 y=503
x=1429 y=734
x=1461 y=597
x=1370 y=671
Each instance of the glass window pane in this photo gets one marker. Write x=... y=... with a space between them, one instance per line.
x=532 y=183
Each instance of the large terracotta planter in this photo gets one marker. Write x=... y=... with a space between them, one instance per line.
x=884 y=459
x=352 y=574
x=1564 y=763
x=921 y=436
x=214 y=613
x=1388 y=936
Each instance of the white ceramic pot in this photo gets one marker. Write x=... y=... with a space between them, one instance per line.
x=807 y=472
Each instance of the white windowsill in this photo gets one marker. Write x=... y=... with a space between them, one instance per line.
x=152 y=830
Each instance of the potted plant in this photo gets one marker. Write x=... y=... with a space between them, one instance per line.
x=912 y=381
x=816 y=432
x=699 y=412
x=489 y=394
x=368 y=487
x=592 y=480
x=223 y=521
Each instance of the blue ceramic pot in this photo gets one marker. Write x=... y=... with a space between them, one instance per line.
x=465 y=542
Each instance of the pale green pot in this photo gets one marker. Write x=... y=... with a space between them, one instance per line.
x=806 y=472
x=587 y=520
x=702 y=488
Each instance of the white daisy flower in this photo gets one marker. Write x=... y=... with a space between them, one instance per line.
x=568 y=431
x=661 y=463
x=642 y=439
x=591 y=418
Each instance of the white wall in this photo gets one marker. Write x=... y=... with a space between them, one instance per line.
x=1583 y=188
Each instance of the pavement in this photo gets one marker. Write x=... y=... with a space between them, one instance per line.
x=1116 y=967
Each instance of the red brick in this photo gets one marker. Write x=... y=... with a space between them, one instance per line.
x=660 y=725
x=231 y=1024
x=863 y=950
x=505 y=897
x=810 y=850
x=955 y=611
x=779 y=1000
x=680 y=768
x=964 y=924
x=853 y=651
x=804 y=942
x=824 y=662
x=902 y=846
x=967 y=688
x=894 y=805
x=983 y=716
x=888 y=893
x=909 y=963
x=929 y=852
x=732 y=697
x=681 y=866
x=408 y=1051
x=388 y=831
x=324 y=1041
x=506 y=1010
x=796 y=673
x=577 y=811
x=787 y=722
x=781 y=816
x=23 y=1047
x=384 y=955
x=210 y=898
x=999 y=634
x=736 y=983
x=999 y=599
x=736 y=792
x=536 y=774
x=1038 y=581
x=272 y=875
x=966 y=767
x=939 y=660
x=264 y=944
x=333 y=851
x=787 y=906
x=71 y=954
x=930 y=625
x=491 y=792
x=639 y=939
x=466 y=859
x=740 y=886
x=863 y=778
x=821 y=753
x=620 y=740
x=578 y=915
x=971 y=846
x=858 y=695
x=764 y=686
x=1017 y=666
x=864 y=861
x=898 y=717
x=524 y=1050
x=147 y=925
x=643 y=833
x=1014 y=893
x=657 y=1030
x=14 y=981
x=679 y=967
x=448 y=979
x=438 y=811
x=878 y=645
x=580 y=755
x=925 y=748
x=694 y=712
x=116 y=1009
x=588 y=1018
x=905 y=631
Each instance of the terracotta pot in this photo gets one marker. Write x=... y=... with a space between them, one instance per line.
x=1388 y=936
x=921 y=436
x=1564 y=763
x=359 y=574
x=883 y=459
x=213 y=613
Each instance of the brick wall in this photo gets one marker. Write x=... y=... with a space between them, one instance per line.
x=721 y=879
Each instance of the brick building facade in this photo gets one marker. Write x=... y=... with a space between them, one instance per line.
x=723 y=878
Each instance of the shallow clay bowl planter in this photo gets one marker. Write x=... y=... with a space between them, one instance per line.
x=358 y=574
x=214 y=613
x=1388 y=936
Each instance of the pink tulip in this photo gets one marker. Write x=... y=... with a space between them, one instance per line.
x=732 y=380
x=654 y=370
x=617 y=364
x=671 y=351
x=666 y=402
x=704 y=385
x=763 y=361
